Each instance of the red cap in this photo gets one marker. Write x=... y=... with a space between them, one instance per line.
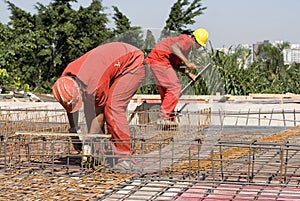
x=67 y=93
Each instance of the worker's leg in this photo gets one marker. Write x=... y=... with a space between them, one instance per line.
x=120 y=94
x=168 y=86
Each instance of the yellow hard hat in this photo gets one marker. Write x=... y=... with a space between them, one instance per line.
x=201 y=36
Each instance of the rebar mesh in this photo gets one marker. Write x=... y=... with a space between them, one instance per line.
x=242 y=161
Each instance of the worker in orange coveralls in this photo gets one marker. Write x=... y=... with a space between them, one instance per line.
x=165 y=59
x=104 y=79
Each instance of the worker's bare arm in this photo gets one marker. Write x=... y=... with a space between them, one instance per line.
x=97 y=125
x=177 y=51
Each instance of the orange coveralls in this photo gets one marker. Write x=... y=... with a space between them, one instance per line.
x=110 y=75
x=162 y=62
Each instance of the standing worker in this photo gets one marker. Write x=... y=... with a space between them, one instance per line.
x=165 y=59
x=103 y=80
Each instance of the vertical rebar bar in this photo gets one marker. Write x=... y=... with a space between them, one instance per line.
x=68 y=154
x=247 y=117
x=172 y=159
x=271 y=116
x=249 y=161
x=283 y=116
x=253 y=161
x=281 y=162
x=160 y=158
x=198 y=159
x=259 y=111
x=251 y=157
x=5 y=151
x=221 y=161
x=221 y=119
x=190 y=163
x=143 y=153
x=19 y=151
x=28 y=151
x=52 y=156
x=294 y=117
x=212 y=164
x=286 y=161
x=43 y=150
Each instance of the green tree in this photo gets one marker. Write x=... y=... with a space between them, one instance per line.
x=290 y=78
x=231 y=67
x=43 y=44
x=20 y=54
x=272 y=58
x=181 y=15
x=35 y=49
x=210 y=82
x=124 y=32
x=149 y=42
x=272 y=66
x=6 y=55
x=70 y=33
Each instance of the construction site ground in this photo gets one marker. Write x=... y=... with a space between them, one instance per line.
x=222 y=150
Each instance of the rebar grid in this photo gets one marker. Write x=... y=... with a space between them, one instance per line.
x=240 y=160
x=249 y=163
x=40 y=119
x=163 y=189
x=260 y=117
x=176 y=158
x=31 y=186
x=52 y=149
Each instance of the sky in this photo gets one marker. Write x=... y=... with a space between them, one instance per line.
x=229 y=22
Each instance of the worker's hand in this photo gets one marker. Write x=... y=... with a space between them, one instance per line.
x=192 y=76
x=190 y=65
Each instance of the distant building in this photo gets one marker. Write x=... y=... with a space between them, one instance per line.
x=255 y=49
x=292 y=55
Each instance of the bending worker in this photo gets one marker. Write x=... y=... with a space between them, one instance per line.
x=104 y=80
x=165 y=59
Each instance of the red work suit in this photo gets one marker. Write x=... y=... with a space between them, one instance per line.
x=162 y=62
x=110 y=75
